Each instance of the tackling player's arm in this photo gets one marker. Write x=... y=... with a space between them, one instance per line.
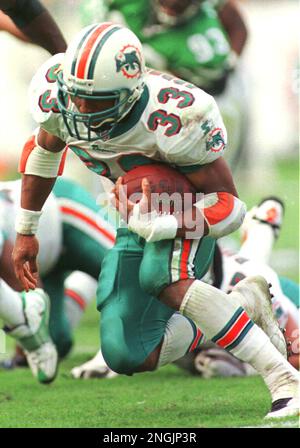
x=34 y=20
x=6 y=24
x=43 y=159
x=234 y=25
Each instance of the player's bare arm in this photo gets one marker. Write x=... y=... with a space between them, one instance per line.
x=6 y=267
x=210 y=178
x=215 y=176
x=7 y=25
x=35 y=190
x=234 y=25
x=34 y=20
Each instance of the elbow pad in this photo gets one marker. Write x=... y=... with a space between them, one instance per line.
x=38 y=161
x=223 y=213
x=24 y=11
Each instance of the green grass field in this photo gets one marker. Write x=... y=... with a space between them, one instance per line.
x=167 y=398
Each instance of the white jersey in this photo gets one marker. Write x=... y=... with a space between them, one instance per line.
x=236 y=268
x=50 y=226
x=173 y=122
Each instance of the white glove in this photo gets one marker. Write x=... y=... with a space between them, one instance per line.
x=152 y=226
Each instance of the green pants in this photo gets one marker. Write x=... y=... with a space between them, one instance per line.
x=133 y=273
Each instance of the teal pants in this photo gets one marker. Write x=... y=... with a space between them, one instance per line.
x=133 y=320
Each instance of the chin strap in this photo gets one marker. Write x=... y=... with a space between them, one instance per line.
x=152 y=226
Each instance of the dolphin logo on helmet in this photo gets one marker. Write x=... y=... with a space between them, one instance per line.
x=128 y=61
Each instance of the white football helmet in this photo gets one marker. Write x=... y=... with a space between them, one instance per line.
x=104 y=61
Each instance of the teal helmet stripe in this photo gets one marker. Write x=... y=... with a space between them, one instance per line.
x=98 y=49
x=74 y=63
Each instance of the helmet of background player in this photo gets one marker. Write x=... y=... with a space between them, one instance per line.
x=104 y=62
x=175 y=12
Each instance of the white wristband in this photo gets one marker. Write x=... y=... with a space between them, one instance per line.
x=27 y=221
x=163 y=228
x=152 y=226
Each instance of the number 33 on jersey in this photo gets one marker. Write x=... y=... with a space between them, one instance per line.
x=173 y=122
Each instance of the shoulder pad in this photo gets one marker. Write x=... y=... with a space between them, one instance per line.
x=43 y=92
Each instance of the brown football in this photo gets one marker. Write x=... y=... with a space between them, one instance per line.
x=163 y=179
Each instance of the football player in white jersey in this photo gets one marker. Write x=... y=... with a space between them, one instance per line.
x=100 y=101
